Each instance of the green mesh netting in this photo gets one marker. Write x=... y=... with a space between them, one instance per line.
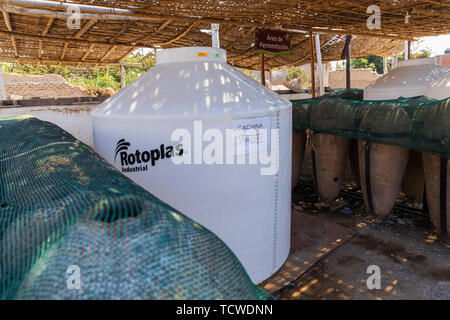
x=418 y=123
x=62 y=205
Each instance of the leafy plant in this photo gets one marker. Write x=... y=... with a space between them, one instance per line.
x=298 y=73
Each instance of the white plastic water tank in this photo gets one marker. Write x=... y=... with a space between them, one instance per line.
x=410 y=79
x=195 y=90
x=439 y=89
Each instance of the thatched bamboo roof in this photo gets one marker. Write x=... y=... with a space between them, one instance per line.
x=37 y=31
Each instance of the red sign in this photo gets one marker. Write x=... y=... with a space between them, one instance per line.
x=272 y=41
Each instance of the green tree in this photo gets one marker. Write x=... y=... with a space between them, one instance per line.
x=422 y=53
x=371 y=61
x=299 y=73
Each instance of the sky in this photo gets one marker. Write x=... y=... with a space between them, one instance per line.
x=437 y=44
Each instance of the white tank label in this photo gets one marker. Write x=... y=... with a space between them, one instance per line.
x=252 y=135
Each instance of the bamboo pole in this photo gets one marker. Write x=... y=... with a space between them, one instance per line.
x=64 y=40
x=313 y=76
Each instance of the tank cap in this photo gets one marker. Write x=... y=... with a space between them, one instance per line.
x=191 y=54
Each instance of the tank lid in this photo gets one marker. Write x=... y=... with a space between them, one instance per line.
x=410 y=79
x=192 y=87
x=186 y=54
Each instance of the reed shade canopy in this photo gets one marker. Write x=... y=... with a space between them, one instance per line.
x=36 y=31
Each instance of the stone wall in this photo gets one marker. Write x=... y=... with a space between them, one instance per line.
x=75 y=119
x=18 y=86
x=360 y=78
x=443 y=60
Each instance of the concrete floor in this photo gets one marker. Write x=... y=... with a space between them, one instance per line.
x=414 y=263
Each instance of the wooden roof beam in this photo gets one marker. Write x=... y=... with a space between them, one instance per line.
x=178 y=37
x=7 y=20
x=47 y=28
x=85 y=28
x=127 y=54
x=107 y=54
x=40 y=49
x=87 y=52
x=245 y=36
x=120 y=33
x=64 y=50
x=14 y=45
x=439 y=3
x=44 y=33
x=147 y=15
x=68 y=40
x=160 y=28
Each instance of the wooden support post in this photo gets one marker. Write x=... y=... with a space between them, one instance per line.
x=348 y=80
x=385 y=65
x=313 y=76
x=409 y=49
x=406 y=50
x=122 y=76
x=346 y=54
x=320 y=66
x=263 y=74
x=2 y=86
x=270 y=76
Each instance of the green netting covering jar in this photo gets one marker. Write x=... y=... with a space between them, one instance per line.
x=329 y=150
x=73 y=227
x=382 y=163
x=437 y=167
x=398 y=129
